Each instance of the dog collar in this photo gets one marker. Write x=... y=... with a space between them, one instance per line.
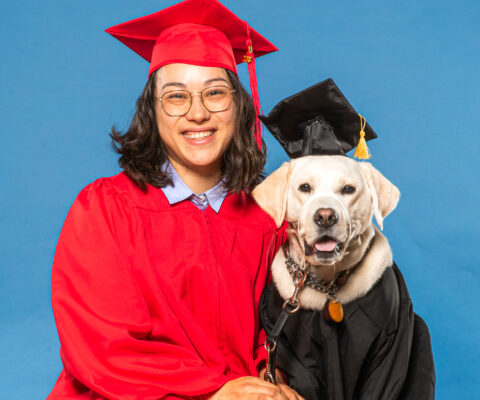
x=332 y=310
x=328 y=287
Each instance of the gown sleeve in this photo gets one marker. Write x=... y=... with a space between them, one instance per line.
x=420 y=383
x=103 y=317
x=396 y=373
x=384 y=374
x=402 y=364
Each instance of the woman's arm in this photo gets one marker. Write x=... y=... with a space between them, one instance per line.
x=103 y=317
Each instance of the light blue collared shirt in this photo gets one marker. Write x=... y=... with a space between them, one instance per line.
x=180 y=191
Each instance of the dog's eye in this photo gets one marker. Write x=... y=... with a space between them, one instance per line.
x=305 y=188
x=347 y=189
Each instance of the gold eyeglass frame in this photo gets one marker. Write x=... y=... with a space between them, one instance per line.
x=191 y=99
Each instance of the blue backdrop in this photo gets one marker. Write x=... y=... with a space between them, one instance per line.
x=410 y=67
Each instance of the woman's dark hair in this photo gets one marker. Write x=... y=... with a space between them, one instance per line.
x=143 y=153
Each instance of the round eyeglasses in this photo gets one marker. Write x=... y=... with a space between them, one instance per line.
x=177 y=103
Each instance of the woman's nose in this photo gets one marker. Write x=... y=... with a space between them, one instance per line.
x=197 y=111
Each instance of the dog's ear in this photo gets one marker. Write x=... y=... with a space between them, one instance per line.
x=385 y=194
x=271 y=194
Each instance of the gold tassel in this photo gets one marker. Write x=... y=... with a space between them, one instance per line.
x=362 y=151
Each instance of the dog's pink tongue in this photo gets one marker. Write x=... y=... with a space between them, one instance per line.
x=327 y=245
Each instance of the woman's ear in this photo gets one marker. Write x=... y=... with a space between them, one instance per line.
x=271 y=194
x=385 y=194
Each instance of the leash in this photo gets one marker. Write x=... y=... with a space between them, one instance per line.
x=290 y=306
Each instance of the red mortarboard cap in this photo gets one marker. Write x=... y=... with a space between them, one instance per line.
x=198 y=32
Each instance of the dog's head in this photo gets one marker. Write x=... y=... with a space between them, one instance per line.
x=332 y=199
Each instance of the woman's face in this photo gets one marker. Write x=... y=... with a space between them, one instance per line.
x=198 y=139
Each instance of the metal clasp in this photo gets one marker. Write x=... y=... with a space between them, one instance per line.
x=269 y=375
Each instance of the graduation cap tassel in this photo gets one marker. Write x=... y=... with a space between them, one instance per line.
x=249 y=58
x=362 y=152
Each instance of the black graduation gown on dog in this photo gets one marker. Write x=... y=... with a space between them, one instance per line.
x=381 y=349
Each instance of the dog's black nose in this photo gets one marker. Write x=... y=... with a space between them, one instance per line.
x=325 y=217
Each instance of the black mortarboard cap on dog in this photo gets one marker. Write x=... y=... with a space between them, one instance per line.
x=319 y=121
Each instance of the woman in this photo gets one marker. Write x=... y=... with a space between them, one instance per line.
x=158 y=271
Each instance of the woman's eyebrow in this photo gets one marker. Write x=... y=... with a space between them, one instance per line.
x=216 y=79
x=173 y=84
x=182 y=85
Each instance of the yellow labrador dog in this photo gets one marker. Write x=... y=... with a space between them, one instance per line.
x=379 y=349
x=331 y=199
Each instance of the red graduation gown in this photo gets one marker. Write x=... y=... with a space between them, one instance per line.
x=157 y=301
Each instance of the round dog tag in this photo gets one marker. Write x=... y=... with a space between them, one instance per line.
x=333 y=311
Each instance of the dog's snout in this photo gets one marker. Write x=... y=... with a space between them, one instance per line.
x=325 y=217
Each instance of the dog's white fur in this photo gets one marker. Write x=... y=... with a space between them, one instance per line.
x=374 y=195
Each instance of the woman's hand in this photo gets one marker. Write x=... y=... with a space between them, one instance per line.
x=291 y=394
x=251 y=388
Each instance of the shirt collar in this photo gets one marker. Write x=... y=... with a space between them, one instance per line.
x=216 y=195
x=179 y=191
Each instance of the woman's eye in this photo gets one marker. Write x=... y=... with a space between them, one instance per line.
x=305 y=187
x=347 y=189
x=176 y=96
x=217 y=92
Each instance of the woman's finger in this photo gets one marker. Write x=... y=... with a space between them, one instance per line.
x=250 y=388
x=290 y=393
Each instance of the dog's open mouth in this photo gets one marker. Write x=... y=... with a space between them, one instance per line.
x=324 y=247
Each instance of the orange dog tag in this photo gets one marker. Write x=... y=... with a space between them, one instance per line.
x=333 y=310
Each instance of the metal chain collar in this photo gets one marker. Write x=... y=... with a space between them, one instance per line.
x=328 y=287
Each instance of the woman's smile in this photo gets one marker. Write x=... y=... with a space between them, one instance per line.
x=196 y=134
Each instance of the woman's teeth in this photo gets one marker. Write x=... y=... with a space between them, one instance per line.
x=198 y=135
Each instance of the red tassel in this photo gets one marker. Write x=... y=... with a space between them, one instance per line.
x=249 y=58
